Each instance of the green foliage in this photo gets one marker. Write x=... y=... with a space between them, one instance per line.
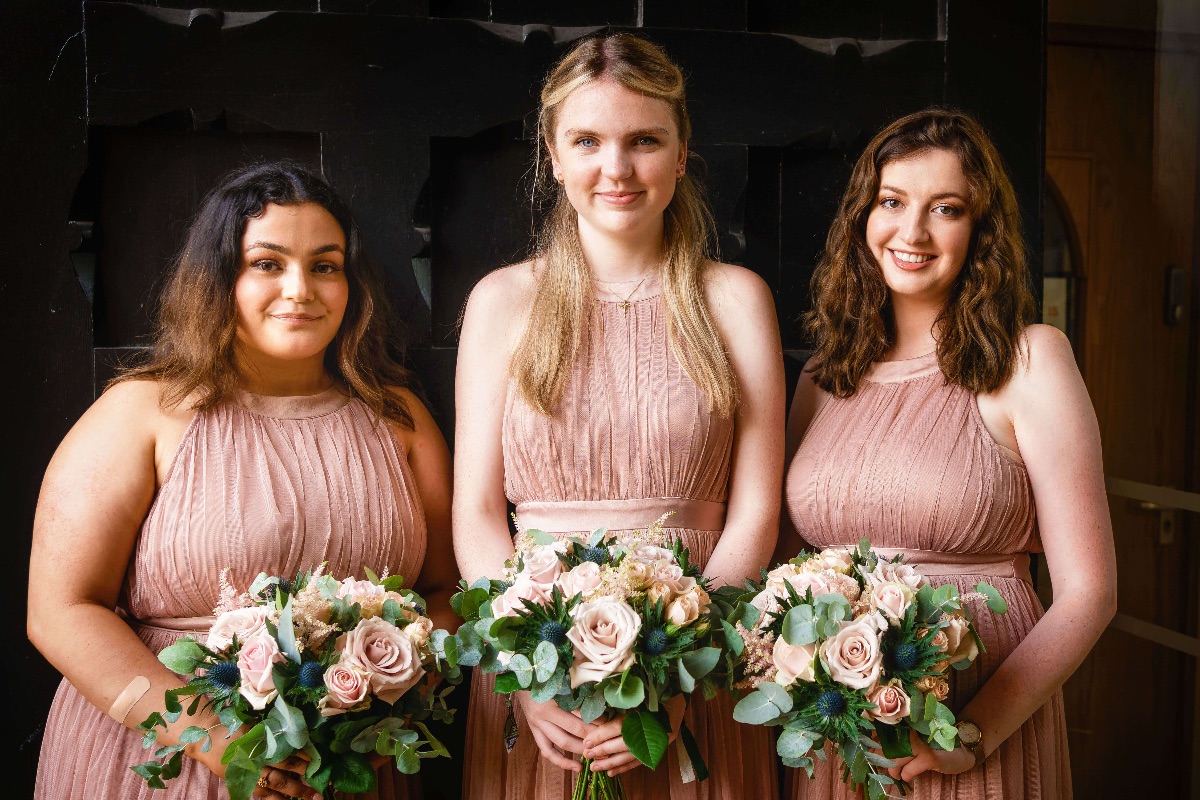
x=645 y=734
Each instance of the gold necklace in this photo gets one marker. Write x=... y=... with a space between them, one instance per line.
x=624 y=304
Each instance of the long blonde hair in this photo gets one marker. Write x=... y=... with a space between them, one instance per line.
x=547 y=351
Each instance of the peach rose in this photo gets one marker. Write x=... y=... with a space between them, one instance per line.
x=580 y=580
x=793 y=662
x=960 y=643
x=507 y=604
x=852 y=655
x=891 y=704
x=347 y=685
x=687 y=607
x=603 y=634
x=932 y=684
x=892 y=598
x=241 y=622
x=390 y=659
x=418 y=630
x=836 y=559
x=256 y=660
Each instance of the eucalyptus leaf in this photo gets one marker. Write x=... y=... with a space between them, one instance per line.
x=541 y=537
x=794 y=743
x=597 y=536
x=545 y=660
x=627 y=693
x=286 y=634
x=995 y=601
x=519 y=665
x=798 y=625
x=755 y=708
x=733 y=639
x=779 y=696
x=702 y=661
x=183 y=657
x=547 y=690
x=687 y=683
x=593 y=706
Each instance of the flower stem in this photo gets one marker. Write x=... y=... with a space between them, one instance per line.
x=596 y=785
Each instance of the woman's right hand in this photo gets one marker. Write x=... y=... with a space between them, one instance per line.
x=555 y=730
x=283 y=780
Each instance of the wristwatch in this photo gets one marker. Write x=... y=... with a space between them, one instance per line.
x=971 y=738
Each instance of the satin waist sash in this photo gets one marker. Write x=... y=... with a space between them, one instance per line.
x=581 y=516
x=934 y=563
x=174 y=624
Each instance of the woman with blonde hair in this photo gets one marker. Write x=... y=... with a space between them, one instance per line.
x=934 y=419
x=618 y=374
x=270 y=430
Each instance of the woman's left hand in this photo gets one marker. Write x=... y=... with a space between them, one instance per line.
x=926 y=759
x=285 y=779
x=608 y=750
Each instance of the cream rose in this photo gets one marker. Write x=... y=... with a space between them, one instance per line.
x=767 y=603
x=780 y=577
x=347 y=685
x=241 y=622
x=892 y=599
x=255 y=661
x=891 y=704
x=650 y=554
x=837 y=559
x=354 y=590
x=895 y=572
x=794 y=662
x=687 y=607
x=580 y=580
x=390 y=659
x=603 y=634
x=960 y=644
x=639 y=573
x=852 y=655
x=507 y=604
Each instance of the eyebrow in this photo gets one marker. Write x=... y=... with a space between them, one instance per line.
x=642 y=132
x=278 y=248
x=942 y=196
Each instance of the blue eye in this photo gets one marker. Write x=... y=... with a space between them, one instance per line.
x=647 y=141
x=586 y=141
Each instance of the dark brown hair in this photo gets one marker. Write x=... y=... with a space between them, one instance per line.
x=851 y=323
x=193 y=347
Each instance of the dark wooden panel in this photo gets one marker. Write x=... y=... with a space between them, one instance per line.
x=726 y=15
x=556 y=12
x=855 y=19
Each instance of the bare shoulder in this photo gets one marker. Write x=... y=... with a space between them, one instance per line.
x=1046 y=360
x=738 y=297
x=423 y=422
x=505 y=286
x=132 y=405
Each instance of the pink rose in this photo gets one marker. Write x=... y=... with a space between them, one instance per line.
x=852 y=655
x=960 y=645
x=603 y=634
x=354 y=590
x=542 y=565
x=347 y=685
x=893 y=599
x=390 y=659
x=507 y=604
x=793 y=662
x=891 y=703
x=241 y=622
x=581 y=580
x=781 y=576
x=256 y=659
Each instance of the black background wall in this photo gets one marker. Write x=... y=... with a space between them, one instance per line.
x=117 y=116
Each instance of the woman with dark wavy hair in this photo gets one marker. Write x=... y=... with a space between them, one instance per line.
x=269 y=430
x=934 y=419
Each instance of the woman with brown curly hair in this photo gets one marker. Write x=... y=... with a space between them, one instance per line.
x=269 y=430
x=937 y=421
x=618 y=374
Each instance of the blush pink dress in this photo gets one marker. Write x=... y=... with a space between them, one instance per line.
x=632 y=440
x=907 y=463
x=272 y=484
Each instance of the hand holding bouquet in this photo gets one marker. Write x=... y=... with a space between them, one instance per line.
x=605 y=625
x=335 y=670
x=849 y=648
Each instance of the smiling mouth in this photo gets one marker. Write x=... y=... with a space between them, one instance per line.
x=297 y=318
x=911 y=259
x=620 y=198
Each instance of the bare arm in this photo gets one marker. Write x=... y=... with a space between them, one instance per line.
x=1059 y=440
x=807 y=399
x=97 y=490
x=744 y=313
x=429 y=459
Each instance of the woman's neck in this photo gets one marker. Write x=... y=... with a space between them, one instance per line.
x=916 y=328
x=614 y=259
x=273 y=378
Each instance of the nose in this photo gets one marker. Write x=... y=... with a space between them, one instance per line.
x=297 y=284
x=617 y=165
x=913 y=227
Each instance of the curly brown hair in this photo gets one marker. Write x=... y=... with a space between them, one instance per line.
x=851 y=323
x=192 y=354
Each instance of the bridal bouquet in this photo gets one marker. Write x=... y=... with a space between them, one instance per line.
x=603 y=624
x=338 y=670
x=849 y=648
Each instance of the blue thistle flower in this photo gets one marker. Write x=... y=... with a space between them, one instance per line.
x=224 y=674
x=655 y=642
x=597 y=555
x=830 y=703
x=553 y=631
x=905 y=656
x=312 y=675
